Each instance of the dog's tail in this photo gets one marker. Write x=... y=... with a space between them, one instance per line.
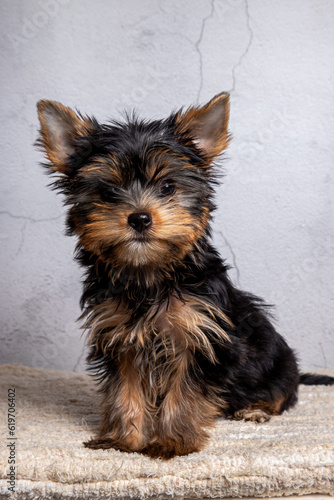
x=312 y=379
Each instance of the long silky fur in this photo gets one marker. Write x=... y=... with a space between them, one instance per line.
x=172 y=342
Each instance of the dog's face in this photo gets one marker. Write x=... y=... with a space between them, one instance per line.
x=139 y=192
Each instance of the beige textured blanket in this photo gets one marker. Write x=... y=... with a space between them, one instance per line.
x=55 y=412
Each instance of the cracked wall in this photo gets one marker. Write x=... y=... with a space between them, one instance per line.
x=274 y=223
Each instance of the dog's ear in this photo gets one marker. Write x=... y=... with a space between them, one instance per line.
x=206 y=126
x=61 y=128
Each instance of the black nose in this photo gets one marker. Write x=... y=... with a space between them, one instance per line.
x=140 y=221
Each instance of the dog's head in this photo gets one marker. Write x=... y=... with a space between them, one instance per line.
x=139 y=192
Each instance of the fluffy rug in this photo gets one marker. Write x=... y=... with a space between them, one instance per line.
x=293 y=454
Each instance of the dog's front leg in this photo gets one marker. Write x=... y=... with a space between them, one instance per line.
x=125 y=419
x=182 y=418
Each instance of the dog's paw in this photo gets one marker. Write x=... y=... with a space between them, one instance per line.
x=252 y=414
x=167 y=450
x=107 y=444
x=96 y=444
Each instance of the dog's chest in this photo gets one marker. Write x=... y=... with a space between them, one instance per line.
x=158 y=332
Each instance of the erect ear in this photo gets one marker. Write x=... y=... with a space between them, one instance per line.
x=206 y=126
x=61 y=127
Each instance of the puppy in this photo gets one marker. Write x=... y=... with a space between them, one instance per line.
x=173 y=343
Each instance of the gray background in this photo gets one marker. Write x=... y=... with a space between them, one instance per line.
x=275 y=218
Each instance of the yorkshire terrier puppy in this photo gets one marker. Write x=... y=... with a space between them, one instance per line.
x=173 y=342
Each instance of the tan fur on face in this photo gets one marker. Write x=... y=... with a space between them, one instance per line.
x=173 y=234
x=107 y=169
x=162 y=163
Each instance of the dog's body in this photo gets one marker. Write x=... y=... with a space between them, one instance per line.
x=173 y=342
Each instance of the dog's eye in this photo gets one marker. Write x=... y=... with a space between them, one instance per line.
x=108 y=194
x=167 y=188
